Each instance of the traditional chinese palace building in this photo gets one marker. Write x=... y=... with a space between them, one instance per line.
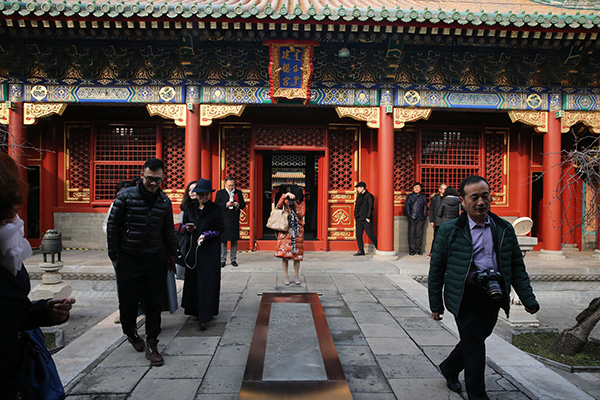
x=328 y=93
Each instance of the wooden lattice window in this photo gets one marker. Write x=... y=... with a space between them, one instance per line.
x=120 y=153
x=237 y=140
x=448 y=156
x=77 y=174
x=495 y=148
x=78 y=144
x=174 y=157
x=404 y=159
x=341 y=158
x=290 y=136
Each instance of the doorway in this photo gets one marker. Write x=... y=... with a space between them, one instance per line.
x=300 y=167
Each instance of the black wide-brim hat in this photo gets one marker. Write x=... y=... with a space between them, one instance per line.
x=203 y=186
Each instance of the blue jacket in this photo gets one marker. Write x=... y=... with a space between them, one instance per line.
x=453 y=255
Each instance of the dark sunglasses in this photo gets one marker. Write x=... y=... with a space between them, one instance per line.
x=153 y=179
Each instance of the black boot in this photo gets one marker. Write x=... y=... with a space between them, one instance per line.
x=136 y=341
x=152 y=354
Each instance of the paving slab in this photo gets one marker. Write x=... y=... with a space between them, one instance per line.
x=165 y=389
x=373 y=310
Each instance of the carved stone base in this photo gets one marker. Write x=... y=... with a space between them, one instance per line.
x=519 y=318
x=551 y=255
x=53 y=291
x=570 y=248
x=385 y=255
x=596 y=254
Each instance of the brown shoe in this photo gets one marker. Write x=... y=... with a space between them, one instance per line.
x=136 y=341
x=152 y=354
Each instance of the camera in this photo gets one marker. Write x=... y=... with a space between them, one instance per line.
x=489 y=281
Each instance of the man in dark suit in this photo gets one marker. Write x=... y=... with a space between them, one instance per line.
x=231 y=201
x=363 y=214
x=434 y=204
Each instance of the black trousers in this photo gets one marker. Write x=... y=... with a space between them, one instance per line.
x=435 y=230
x=476 y=319
x=141 y=281
x=415 y=235
x=367 y=227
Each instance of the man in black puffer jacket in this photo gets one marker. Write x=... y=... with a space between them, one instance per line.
x=141 y=243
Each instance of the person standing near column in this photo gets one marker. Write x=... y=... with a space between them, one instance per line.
x=434 y=205
x=142 y=245
x=476 y=259
x=415 y=209
x=231 y=201
x=363 y=214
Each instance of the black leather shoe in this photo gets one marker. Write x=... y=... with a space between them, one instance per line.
x=136 y=341
x=412 y=253
x=452 y=383
x=420 y=253
x=234 y=264
x=202 y=326
x=222 y=265
x=360 y=253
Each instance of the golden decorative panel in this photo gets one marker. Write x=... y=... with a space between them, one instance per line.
x=208 y=112
x=538 y=119
x=590 y=119
x=34 y=111
x=368 y=114
x=4 y=114
x=404 y=115
x=176 y=112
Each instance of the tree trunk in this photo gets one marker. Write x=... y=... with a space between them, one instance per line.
x=572 y=340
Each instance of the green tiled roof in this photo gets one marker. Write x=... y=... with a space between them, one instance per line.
x=562 y=14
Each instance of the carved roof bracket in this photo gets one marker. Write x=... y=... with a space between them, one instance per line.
x=208 y=112
x=368 y=114
x=590 y=119
x=176 y=112
x=537 y=119
x=404 y=115
x=34 y=111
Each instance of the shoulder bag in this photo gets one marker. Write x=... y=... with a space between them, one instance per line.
x=42 y=370
x=278 y=220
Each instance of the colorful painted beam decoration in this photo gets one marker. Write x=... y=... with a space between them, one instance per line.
x=290 y=69
x=110 y=94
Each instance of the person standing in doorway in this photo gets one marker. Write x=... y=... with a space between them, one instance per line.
x=476 y=259
x=415 y=209
x=363 y=215
x=434 y=205
x=231 y=201
x=142 y=244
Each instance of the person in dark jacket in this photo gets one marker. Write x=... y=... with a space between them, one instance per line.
x=450 y=207
x=415 y=209
x=363 y=215
x=434 y=204
x=203 y=220
x=142 y=244
x=476 y=259
x=19 y=313
x=231 y=201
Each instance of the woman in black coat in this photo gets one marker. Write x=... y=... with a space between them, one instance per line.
x=450 y=206
x=19 y=313
x=202 y=285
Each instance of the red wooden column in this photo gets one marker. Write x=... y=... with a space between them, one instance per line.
x=385 y=199
x=523 y=174
x=551 y=206
x=49 y=178
x=569 y=201
x=206 y=156
x=17 y=138
x=192 y=144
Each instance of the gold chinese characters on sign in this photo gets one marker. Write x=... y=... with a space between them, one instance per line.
x=290 y=69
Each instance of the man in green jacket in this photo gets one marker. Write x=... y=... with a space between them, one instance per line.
x=476 y=259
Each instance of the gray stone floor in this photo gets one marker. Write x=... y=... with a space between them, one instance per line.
x=388 y=344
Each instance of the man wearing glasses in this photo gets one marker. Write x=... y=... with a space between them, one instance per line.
x=142 y=244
